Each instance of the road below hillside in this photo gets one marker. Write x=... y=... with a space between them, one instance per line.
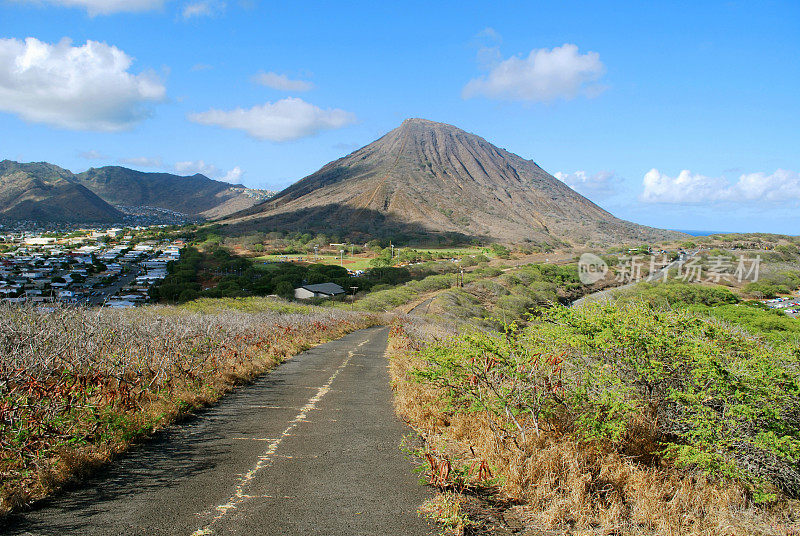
x=310 y=448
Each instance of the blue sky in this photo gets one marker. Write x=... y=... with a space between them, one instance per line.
x=676 y=114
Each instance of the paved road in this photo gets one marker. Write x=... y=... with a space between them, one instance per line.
x=113 y=289
x=311 y=448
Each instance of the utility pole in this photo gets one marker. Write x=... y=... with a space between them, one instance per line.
x=392 y=246
x=353 y=296
x=341 y=254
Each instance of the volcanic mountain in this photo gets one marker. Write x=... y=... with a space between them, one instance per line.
x=427 y=178
x=45 y=193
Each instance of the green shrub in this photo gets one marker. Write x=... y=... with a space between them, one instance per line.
x=783 y=331
x=725 y=402
x=676 y=292
x=501 y=251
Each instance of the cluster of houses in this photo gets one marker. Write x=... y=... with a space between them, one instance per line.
x=789 y=305
x=40 y=269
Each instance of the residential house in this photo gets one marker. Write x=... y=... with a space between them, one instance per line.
x=320 y=290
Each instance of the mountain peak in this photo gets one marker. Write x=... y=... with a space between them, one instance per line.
x=417 y=123
x=426 y=178
x=420 y=121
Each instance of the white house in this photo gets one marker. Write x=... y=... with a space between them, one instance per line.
x=39 y=241
x=120 y=304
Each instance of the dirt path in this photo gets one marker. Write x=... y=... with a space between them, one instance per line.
x=311 y=448
x=422 y=307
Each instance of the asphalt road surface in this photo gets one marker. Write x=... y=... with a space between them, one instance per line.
x=113 y=289
x=311 y=448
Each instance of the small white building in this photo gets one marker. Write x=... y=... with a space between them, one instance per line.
x=120 y=304
x=39 y=241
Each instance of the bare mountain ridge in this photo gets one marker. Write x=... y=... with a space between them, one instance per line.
x=428 y=177
x=194 y=195
x=46 y=193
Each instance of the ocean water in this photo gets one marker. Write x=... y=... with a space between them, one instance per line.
x=692 y=232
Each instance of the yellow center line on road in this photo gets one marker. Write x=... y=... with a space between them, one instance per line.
x=239 y=495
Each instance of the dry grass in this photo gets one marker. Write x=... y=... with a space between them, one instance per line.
x=78 y=386
x=575 y=487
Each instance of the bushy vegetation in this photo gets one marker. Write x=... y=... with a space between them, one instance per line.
x=387 y=298
x=285 y=242
x=772 y=284
x=720 y=303
x=492 y=298
x=220 y=274
x=501 y=251
x=563 y=276
x=771 y=324
x=623 y=415
x=78 y=385
x=676 y=293
x=429 y=277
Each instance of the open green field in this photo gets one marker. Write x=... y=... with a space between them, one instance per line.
x=457 y=252
x=362 y=263
x=351 y=263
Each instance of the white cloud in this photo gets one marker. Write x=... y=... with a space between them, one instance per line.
x=201 y=67
x=203 y=8
x=233 y=176
x=186 y=168
x=196 y=166
x=545 y=75
x=92 y=155
x=601 y=184
x=489 y=34
x=84 y=87
x=191 y=167
x=287 y=119
x=778 y=187
x=281 y=82
x=143 y=162
x=105 y=7
x=488 y=42
x=782 y=185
